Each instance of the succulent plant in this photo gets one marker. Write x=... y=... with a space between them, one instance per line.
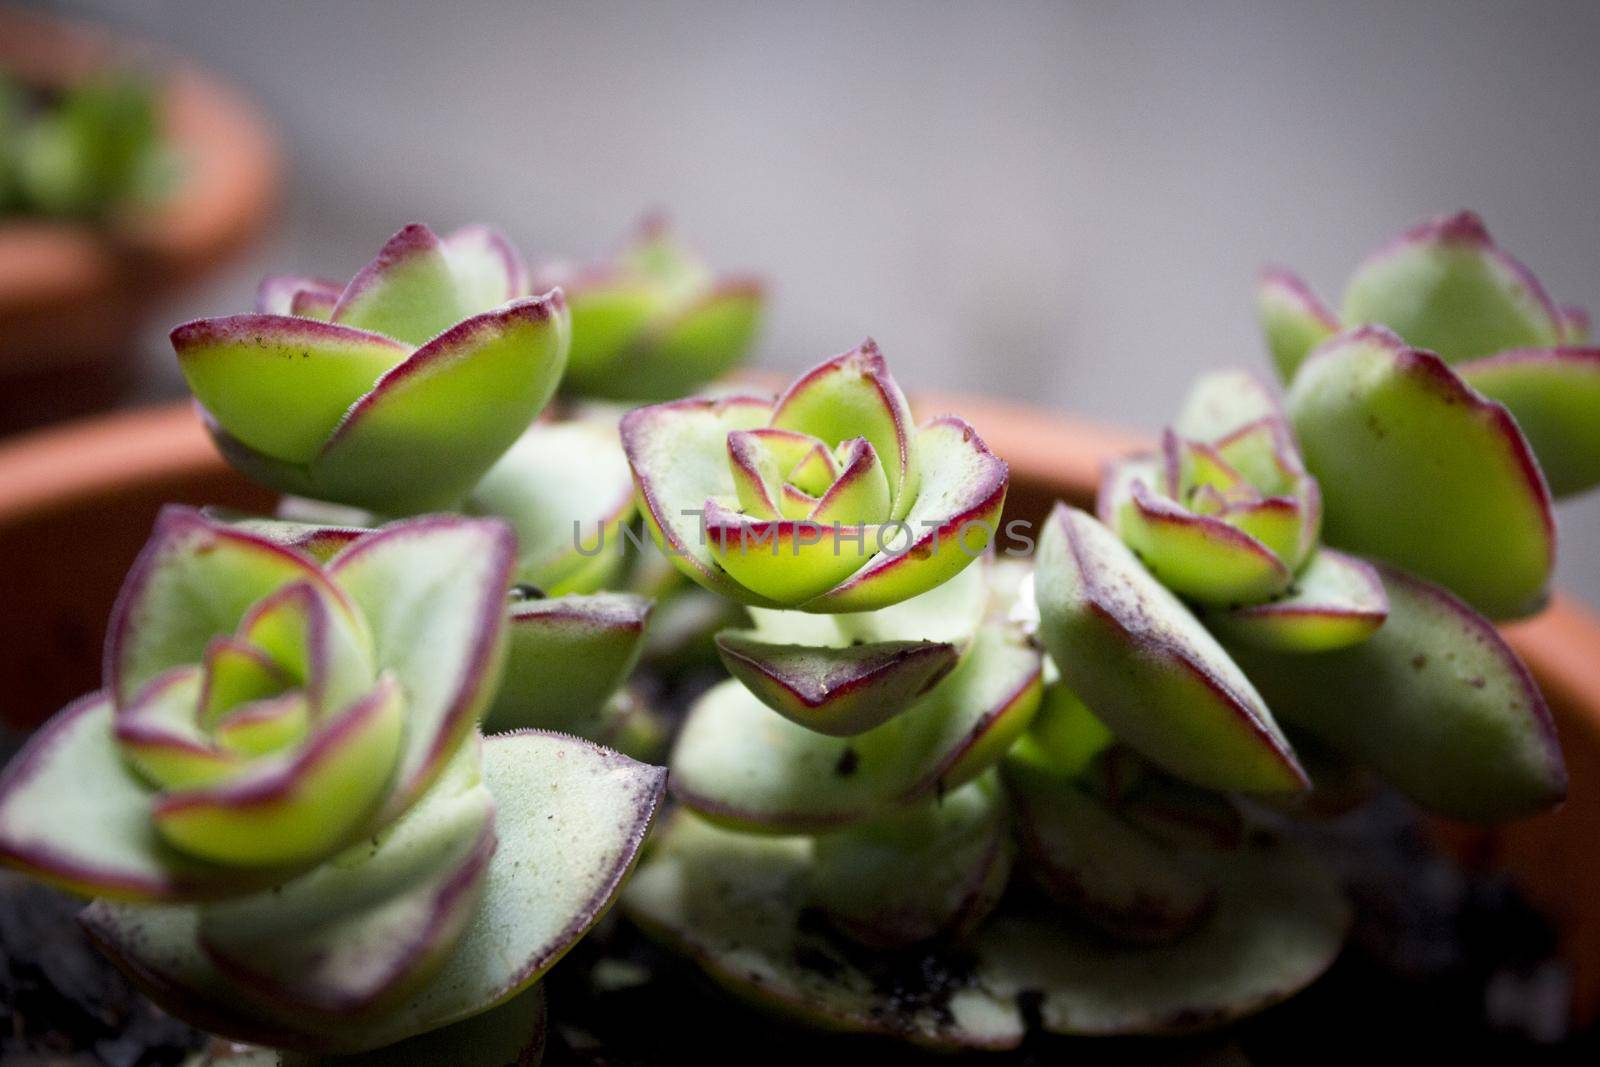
x=395 y=392
x=88 y=151
x=655 y=322
x=825 y=499
x=1445 y=287
x=296 y=836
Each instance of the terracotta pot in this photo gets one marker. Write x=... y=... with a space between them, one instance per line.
x=76 y=502
x=73 y=296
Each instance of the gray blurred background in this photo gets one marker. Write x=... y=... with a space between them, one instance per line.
x=1061 y=203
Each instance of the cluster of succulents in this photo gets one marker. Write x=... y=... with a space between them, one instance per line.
x=350 y=793
x=1065 y=790
x=347 y=792
x=86 y=151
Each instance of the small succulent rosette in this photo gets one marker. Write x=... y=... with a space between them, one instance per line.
x=826 y=499
x=281 y=799
x=395 y=392
x=1226 y=515
x=1445 y=287
x=655 y=322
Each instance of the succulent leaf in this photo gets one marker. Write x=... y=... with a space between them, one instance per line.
x=395 y=394
x=193 y=580
x=1554 y=394
x=434 y=425
x=433 y=592
x=1336 y=601
x=934 y=870
x=656 y=322
x=566 y=489
x=408 y=291
x=1418 y=468
x=1446 y=287
x=1294 y=319
x=1147 y=667
x=565 y=658
x=743 y=765
x=836 y=691
x=1279 y=921
x=97 y=841
x=732 y=902
x=853 y=395
x=282 y=814
x=280 y=384
x=1435 y=701
x=1088 y=859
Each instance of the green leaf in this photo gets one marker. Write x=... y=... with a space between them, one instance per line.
x=566 y=656
x=1554 y=394
x=1088 y=859
x=433 y=592
x=742 y=764
x=1293 y=319
x=434 y=425
x=358 y=934
x=1337 y=600
x=608 y=317
x=407 y=292
x=1435 y=701
x=733 y=902
x=1393 y=435
x=934 y=870
x=1222 y=402
x=280 y=385
x=1444 y=286
x=1147 y=667
x=853 y=395
x=954 y=519
x=100 y=841
x=949 y=613
x=701 y=342
x=679 y=455
x=298 y=809
x=1278 y=923
x=835 y=691
x=784 y=561
x=566 y=489
x=1198 y=556
x=486 y=267
x=194 y=579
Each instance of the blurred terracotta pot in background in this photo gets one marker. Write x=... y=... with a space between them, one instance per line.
x=73 y=295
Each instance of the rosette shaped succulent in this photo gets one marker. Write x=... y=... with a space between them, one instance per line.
x=655 y=322
x=281 y=799
x=395 y=392
x=827 y=499
x=1444 y=286
x=1225 y=515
